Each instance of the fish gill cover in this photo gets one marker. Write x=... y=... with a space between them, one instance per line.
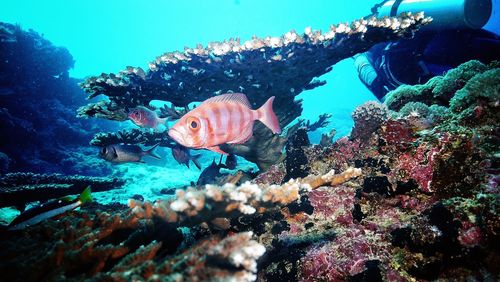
x=411 y=194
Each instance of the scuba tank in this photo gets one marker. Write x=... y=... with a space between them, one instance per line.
x=446 y=14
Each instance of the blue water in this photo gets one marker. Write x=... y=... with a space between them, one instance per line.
x=106 y=36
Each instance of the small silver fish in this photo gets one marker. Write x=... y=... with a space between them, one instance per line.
x=124 y=153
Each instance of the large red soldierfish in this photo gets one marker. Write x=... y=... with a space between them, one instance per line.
x=226 y=118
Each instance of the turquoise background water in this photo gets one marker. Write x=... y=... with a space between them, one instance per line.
x=106 y=36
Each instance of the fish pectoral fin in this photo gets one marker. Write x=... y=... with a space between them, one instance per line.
x=217 y=150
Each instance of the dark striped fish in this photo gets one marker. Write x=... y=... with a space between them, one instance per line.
x=50 y=209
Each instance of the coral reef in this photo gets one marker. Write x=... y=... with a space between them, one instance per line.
x=38 y=101
x=261 y=67
x=113 y=244
x=192 y=207
x=133 y=136
x=17 y=189
x=426 y=204
x=411 y=195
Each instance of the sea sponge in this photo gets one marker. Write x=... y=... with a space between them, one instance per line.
x=437 y=114
x=367 y=119
x=397 y=98
x=414 y=108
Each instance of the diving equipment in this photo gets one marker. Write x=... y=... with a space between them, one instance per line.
x=446 y=14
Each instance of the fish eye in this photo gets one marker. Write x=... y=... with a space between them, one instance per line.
x=193 y=123
x=103 y=151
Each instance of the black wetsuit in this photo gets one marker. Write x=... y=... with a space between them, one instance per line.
x=427 y=54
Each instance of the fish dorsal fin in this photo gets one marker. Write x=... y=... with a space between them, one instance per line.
x=230 y=97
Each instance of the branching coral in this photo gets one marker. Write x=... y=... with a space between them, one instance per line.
x=323 y=121
x=280 y=66
x=192 y=207
x=133 y=136
x=99 y=246
x=17 y=189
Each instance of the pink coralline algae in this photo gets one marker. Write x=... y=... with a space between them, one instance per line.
x=274 y=175
x=397 y=133
x=418 y=165
x=346 y=256
x=334 y=204
x=469 y=234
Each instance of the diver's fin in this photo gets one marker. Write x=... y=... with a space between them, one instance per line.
x=217 y=150
x=150 y=152
x=86 y=195
x=196 y=161
x=267 y=116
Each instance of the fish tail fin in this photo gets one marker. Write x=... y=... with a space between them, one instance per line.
x=86 y=195
x=150 y=152
x=196 y=161
x=267 y=116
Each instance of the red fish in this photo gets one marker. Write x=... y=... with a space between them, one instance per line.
x=145 y=117
x=226 y=118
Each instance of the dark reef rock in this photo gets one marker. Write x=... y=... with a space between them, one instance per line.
x=296 y=162
x=38 y=101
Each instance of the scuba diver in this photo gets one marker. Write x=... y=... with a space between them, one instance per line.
x=452 y=38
